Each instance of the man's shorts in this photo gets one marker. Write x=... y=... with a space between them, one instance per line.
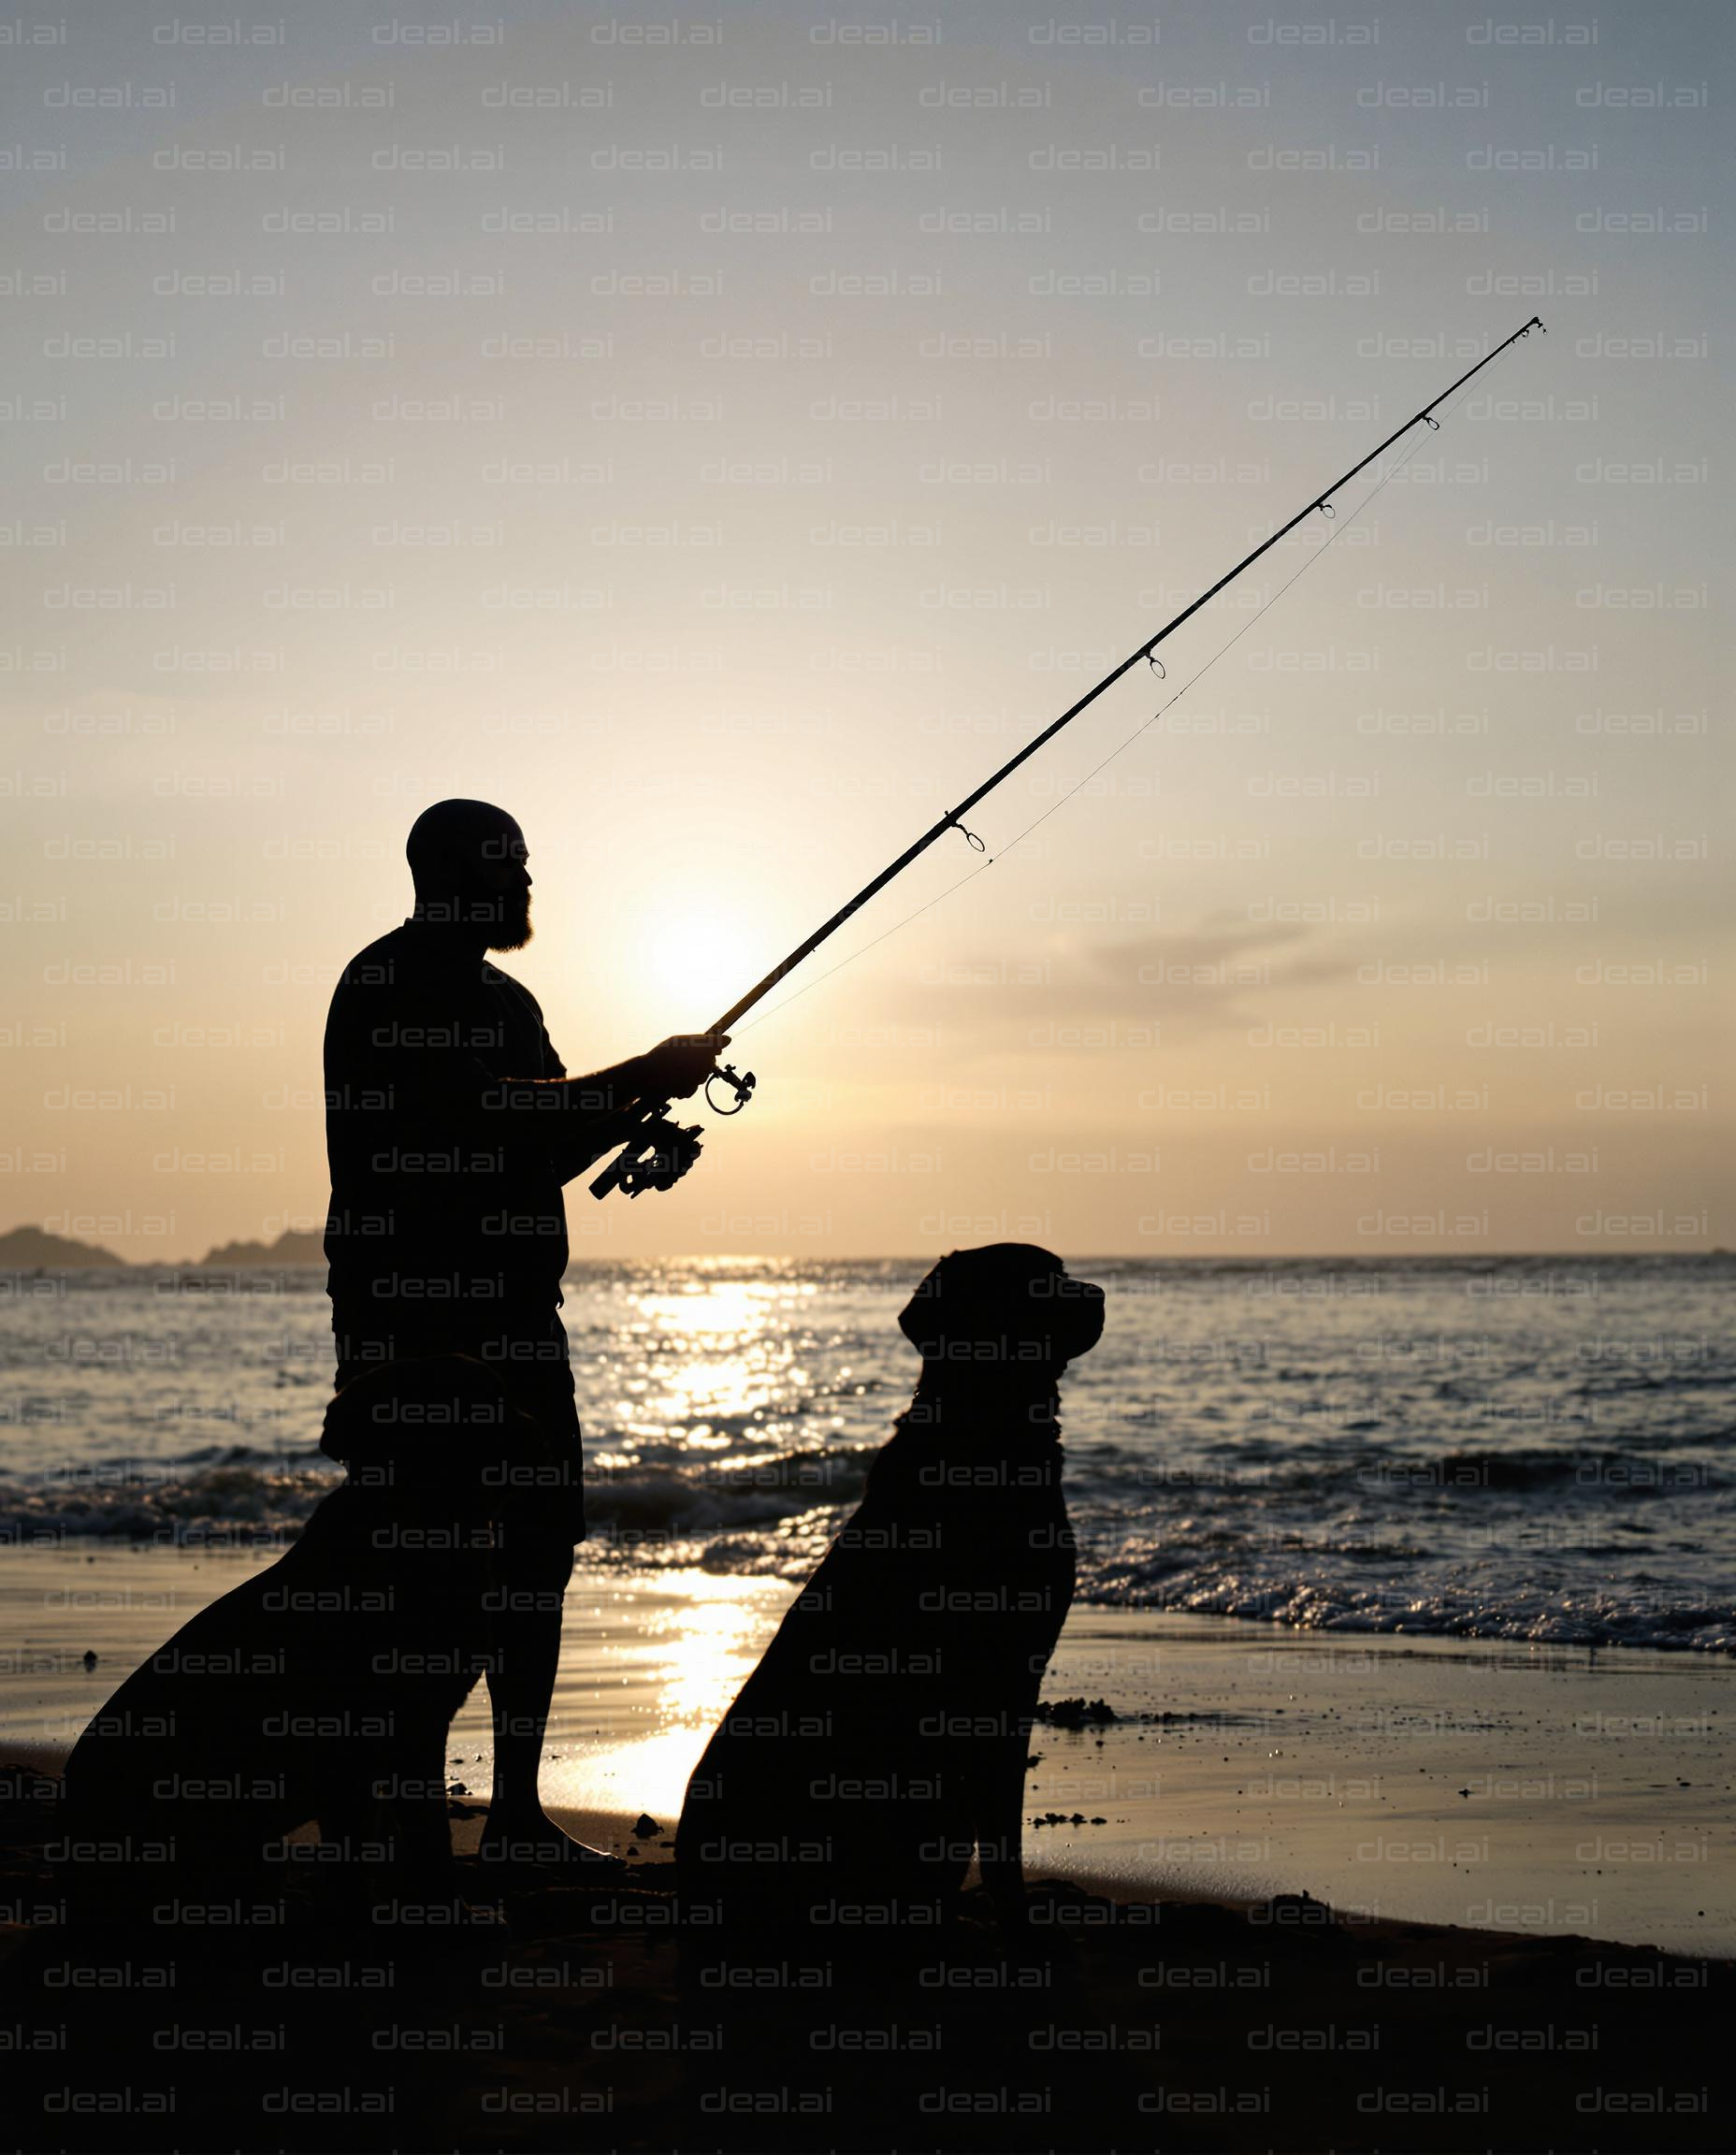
x=433 y=1399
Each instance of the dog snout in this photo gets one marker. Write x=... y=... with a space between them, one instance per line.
x=1084 y=1307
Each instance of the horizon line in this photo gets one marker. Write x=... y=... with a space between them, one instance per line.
x=1109 y=1257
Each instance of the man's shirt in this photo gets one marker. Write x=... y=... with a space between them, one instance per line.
x=447 y=1231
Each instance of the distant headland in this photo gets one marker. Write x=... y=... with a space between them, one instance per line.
x=34 y=1248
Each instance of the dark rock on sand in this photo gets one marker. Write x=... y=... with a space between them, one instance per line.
x=1076 y=1713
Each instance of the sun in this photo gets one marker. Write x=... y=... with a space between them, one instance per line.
x=702 y=962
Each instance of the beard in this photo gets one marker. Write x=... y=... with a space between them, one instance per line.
x=514 y=930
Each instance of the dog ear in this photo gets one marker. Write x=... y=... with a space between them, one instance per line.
x=961 y=1303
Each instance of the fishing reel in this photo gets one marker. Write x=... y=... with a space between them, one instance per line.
x=660 y=1152
x=657 y=1156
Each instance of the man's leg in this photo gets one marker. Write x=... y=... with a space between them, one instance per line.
x=540 y=1521
x=531 y=1494
x=525 y=1660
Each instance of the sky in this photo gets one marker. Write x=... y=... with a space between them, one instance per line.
x=722 y=437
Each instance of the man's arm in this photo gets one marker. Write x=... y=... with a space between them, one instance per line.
x=580 y=1118
x=577 y=1119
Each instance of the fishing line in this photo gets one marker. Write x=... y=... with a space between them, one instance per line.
x=657 y=1153
x=1340 y=526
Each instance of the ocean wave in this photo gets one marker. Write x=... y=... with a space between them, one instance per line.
x=777 y=1519
x=1508 y=1472
x=1319 y=1597
x=229 y=1503
x=1318 y=1600
x=727 y=1495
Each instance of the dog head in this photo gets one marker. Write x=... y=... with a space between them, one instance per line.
x=1007 y=1313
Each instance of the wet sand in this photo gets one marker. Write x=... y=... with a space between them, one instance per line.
x=1529 y=1789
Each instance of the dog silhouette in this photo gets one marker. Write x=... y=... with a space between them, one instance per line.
x=324 y=1686
x=881 y=1742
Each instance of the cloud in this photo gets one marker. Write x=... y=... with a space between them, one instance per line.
x=1205 y=980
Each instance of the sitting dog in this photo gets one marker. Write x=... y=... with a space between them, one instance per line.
x=881 y=1741
x=324 y=1686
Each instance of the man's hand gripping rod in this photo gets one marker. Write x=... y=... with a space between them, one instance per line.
x=660 y=1153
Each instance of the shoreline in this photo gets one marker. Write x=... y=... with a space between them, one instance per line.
x=1538 y=1790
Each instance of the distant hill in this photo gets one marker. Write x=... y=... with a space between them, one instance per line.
x=289 y=1249
x=34 y=1250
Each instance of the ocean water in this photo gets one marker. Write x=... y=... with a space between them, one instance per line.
x=1528 y=1449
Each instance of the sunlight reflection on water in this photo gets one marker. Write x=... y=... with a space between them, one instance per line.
x=644 y=1681
x=695 y=1368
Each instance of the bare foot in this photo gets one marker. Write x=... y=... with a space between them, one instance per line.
x=537 y=1840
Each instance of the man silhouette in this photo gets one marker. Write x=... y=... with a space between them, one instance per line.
x=450 y=1126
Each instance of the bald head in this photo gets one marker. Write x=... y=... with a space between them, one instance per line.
x=468 y=860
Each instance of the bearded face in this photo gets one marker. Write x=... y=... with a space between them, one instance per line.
x=511 y=918
x=470 y=860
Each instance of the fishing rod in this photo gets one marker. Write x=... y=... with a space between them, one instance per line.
x=660 y=1152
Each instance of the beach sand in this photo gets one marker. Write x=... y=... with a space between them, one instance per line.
x=1527 y=1789
x=1240 y=1922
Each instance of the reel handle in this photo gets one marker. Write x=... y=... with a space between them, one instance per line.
x=743 y=1088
